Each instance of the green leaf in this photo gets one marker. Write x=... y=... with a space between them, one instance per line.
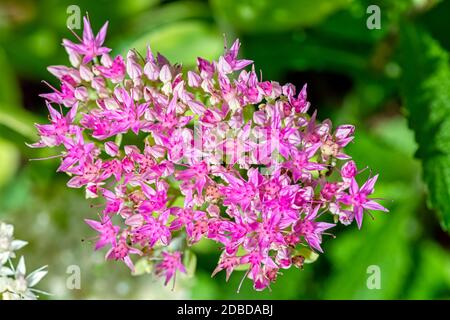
x=248 y=113
x=9 y=88
x=242 y=267
x=384 y=243
x=304 y=50
x=395 y=133
x=183 y=42
x=426 y=94
x=387 y=240
x=309 y=255
x=9 y=161
x=12 y=115
x=369 y=144
x=18 y=120
x=272 y=15
x=168 y=14
x=432 y=274
x=142 y=266
x=190 y=262
x=133 y=8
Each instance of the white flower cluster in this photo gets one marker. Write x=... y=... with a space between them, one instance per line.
x=14 y=283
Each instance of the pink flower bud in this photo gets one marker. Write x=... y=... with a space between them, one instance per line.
x=349 y=170
x=111 y=148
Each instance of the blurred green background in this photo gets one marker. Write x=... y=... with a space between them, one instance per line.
x=392 y=83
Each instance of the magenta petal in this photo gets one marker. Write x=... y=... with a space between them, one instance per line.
x=372 y=205
x=368 y=186
x=98 y=226
x=354 y=186
x=88 y=35
x=240 y=64
x=100 y=38
x=314 y=242
x=358 y=211
x=129 y=263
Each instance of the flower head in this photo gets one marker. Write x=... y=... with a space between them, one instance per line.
x=120 y=250
x=170 y=264
x=312 y=230
x=358 y=199
x=214 y=153
x=90 y=46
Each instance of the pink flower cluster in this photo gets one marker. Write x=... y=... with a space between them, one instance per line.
x=216 y=153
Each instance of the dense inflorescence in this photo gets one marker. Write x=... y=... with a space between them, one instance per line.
x=217 y=153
